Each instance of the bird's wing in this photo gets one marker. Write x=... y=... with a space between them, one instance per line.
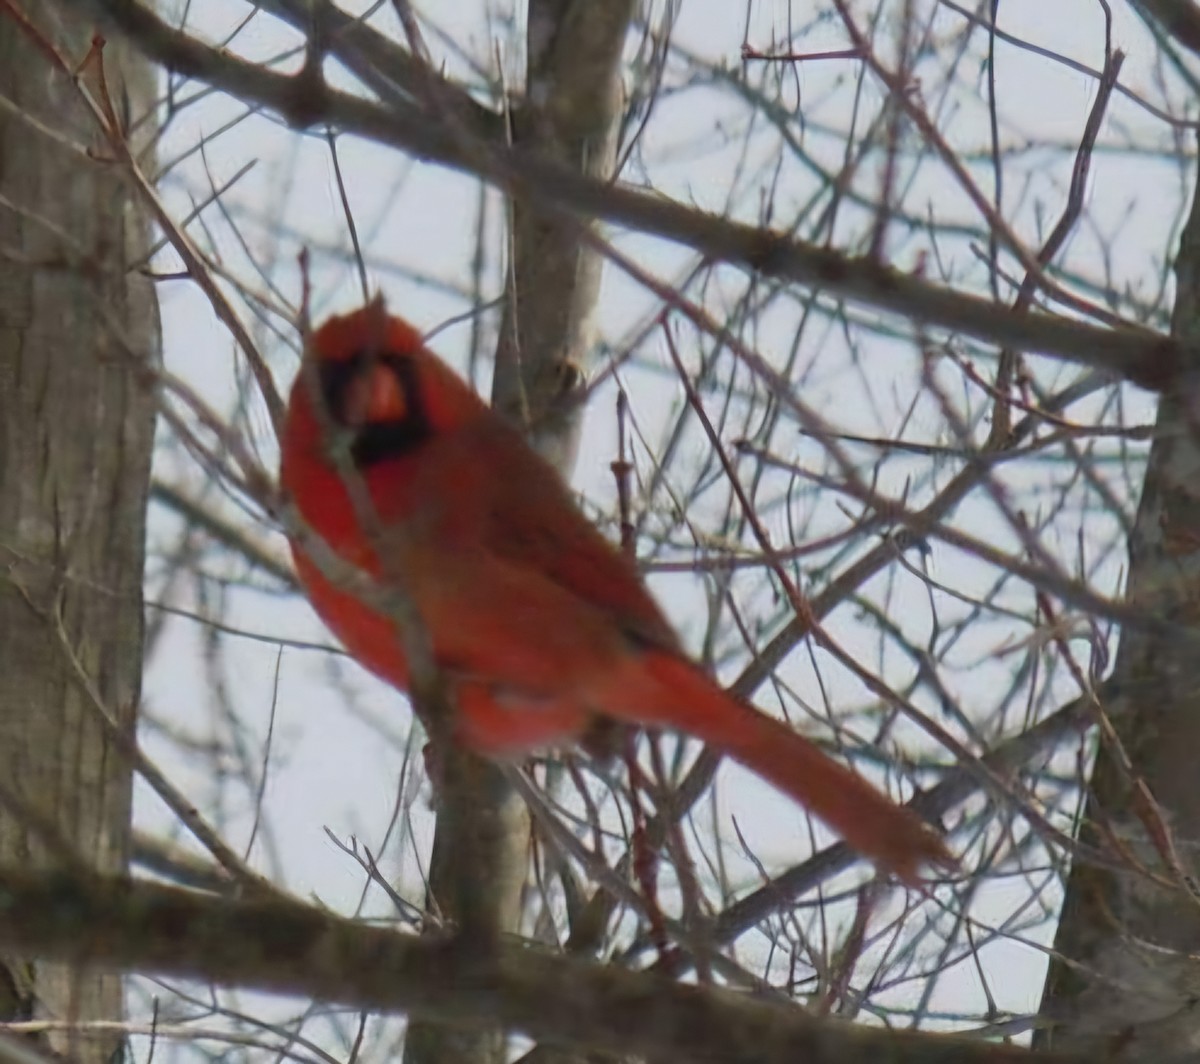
x=536 y=522
x=528 y=519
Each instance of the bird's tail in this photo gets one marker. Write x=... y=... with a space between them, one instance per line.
x=673 y=693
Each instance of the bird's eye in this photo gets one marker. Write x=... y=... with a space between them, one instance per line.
x=376 y=397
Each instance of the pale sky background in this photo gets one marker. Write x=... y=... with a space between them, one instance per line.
x=328 y=767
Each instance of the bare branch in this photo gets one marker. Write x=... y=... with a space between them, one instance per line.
x=293 y=949
x=1136 y=354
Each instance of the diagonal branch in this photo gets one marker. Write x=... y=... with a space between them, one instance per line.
x=1136 y=354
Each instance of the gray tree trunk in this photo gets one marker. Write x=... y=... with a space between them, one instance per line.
x=571 y=112
x=75 y=440
x=1128 y=980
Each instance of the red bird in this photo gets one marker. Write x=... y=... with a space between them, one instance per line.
x=538 y=622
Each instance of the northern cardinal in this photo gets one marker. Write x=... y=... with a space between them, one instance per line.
x=537 y=622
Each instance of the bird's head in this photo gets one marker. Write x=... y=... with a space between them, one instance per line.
x=368 y=378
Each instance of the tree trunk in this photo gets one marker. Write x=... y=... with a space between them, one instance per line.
x=1128 y=980
x=571 y=113
x=75 y=449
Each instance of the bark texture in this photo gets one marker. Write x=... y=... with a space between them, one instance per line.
x=1128 y=981
x=75 y=440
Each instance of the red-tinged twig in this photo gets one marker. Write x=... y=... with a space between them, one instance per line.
x=622 y=471
x=749 y=52
x=645 y=857
x=844 y=964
